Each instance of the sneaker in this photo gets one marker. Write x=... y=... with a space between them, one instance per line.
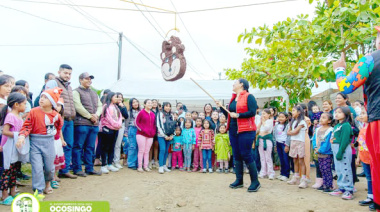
x=261 y=176
x=166 y=169
x=104 y=170
x=294 y=180
x=210 y=170
x=118 y=166
x=219 y=170
x=156 y=164
x=284 y=178
x=321 y=188
x=303 y=184
x=366 y=202
x=327 y=190
x=150 y=164
x=372 y=207
x=347 y=196
x=182 y=169
x=112 y=168
x=226 y=171
x=140 y=170
x=279 y=177
x=147 y=169
x=161 y=170
x=204 y=170
x=271 y=177
x=194 y=170
x=336 y=193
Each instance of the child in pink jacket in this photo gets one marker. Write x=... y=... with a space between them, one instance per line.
x=110 y=123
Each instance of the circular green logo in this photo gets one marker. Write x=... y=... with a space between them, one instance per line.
x=25 y=202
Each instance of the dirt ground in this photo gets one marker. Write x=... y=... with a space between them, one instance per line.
x=128 y=190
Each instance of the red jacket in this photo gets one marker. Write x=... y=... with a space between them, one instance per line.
x=244 y=124
x=146 y=124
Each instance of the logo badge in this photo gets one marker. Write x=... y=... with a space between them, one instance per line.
x=25 y=202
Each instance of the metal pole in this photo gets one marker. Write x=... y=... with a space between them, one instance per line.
x=120 y=49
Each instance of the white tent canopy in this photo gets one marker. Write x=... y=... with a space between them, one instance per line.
x=187 y=91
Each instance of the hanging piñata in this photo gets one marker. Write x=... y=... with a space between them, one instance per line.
x=173 y=61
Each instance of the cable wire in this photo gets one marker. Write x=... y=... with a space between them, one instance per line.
x=65 y=44
x=36 y=16
x=146 y=9
x=188 y=32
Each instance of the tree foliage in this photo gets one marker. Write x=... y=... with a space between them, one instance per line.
x=295 y=54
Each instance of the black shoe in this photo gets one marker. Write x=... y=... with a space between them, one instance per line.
x=254 y=187
x=81 y=174
x=357 y=180
x=239 y=175
x=93 y=172
x=361 y=174
x=255 y=184
x=372 y=207
x=327 y=190
x=335 y=177
x=366 y=202
x=134 y=168
x=320 y=188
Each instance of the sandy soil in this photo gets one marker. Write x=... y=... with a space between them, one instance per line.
x=128 y=190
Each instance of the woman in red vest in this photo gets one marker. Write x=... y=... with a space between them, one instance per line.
x=242 y=132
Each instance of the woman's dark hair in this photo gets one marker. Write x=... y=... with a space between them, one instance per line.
x=347 y=114
x=122 y=97
x=131 y=105
x=266 y=110
x=286 y=121
x=191 y=122
x=21 y=83
x=4 y=79
x=194 y=112
x=19 y=88
x=209 y=123
x=164 y=104
x=360 y=102
x=245 y=84
x=301 y=116
x=345 y=97
x=156 y=101
x=108 y=102
x=204 y=109
x=222 y=125
x=146 y=100
x=47 y=75
x=329 y=116
x=304 y=107
x=310 y=105
x=13 y=98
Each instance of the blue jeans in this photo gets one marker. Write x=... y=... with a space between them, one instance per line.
x=68 y=135
x=164 y=150
x=84 y=143
x=126 y=145
x=367 y=172
x=132 y=149
x=284 y=159
x=242 y=145
x=206 y=157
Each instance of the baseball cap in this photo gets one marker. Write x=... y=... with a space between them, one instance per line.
x=85 y=75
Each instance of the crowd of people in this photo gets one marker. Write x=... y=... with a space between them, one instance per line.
x=66 y=129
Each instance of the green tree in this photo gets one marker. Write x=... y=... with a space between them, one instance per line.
x=295 y=54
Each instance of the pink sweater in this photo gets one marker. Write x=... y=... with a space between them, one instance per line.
x=112 y=119
x=146 y=124
x=197 y=131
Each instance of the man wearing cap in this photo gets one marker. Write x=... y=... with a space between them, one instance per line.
x=366 y=72
x=63 y=81
x=88 y=109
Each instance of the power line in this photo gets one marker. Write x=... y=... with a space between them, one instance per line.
x=163 y=32
x=36 y=16
x=149 y=21
x=236 y=6
x=188 y=32
x=89 y=6
x=166 y=12
x=64 y=44
x=72 y=6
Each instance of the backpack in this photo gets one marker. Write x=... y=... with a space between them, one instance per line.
x=169 y=125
